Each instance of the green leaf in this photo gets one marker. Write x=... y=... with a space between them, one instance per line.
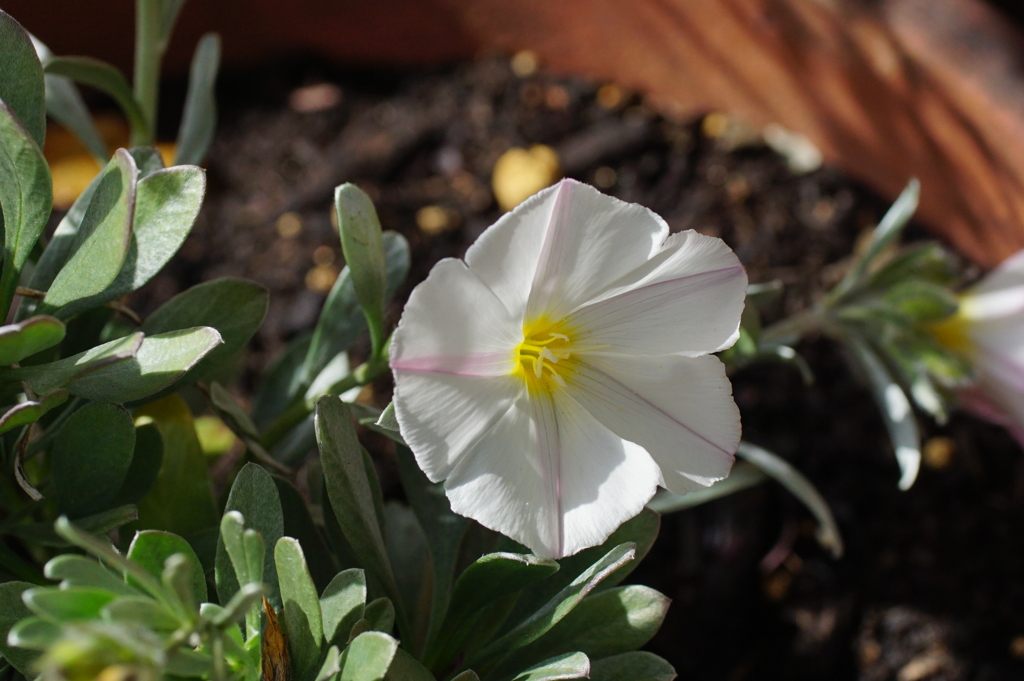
x=928 y=262
x=483 y=584
x=148 y=159
x=800 y=487
x=21 y=88
x=23 y=339
x=331 y=666
x=632 y=666
x=254 y=495
x=13 y=610
x=341 y=605
x=641 y=530
x=234 y=307
x=231 y=412
x=742 y=476
x=161 y=360
x=140 y=611
x=67 y=605
x=102 y=240
x=379 y=615
x=552 y=612
x=167 y=203
x=181 y=499
x=363 y=246
x=299 y=524
x=91 y=456
x=245 y=548
x=33 y=633
x=200 y=115
x=45 y=378
x=349 y=491
x=568 y=666
x=411 y=565
x=606 y=623
x=31 y=411
x=26 y=197
x=341 y=319
x=106 y=78
x=150 y=549
x=65 y=105
x=75 y=570
x=96 y=524
x=368 y=657
x=281 y=383
x=895 y=407
x=145 y=467
x=468 y=675
x=303 y=622
x=887 y=232
x=443 y=528
x=387 y=419
x=405 y=667
x=921 y=301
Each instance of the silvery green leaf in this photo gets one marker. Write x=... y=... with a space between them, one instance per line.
x=101 y=243
x=228 y=409
x=281 y=382
x=387 y=419
x=200 y=116
x=167 y=203
x=368 y=657
x=341 y=605
x=140 y=611
x=146 y=464
x=74 y=570
x=106 y=78
x=45 y=378
x=234 y=307
x=640 y=531
x=363 y=245
x=91 y=456
x=405 y=667
x=341 y=319
x=26 y=196
x=150 y=550
x=632 y=666
x=567 y=666
x=743 y=475
x=148 y=159
x=551 y=613
x=22 y=88
x=895 y=407
x=254 y=495
x=45 y=534
x=161 y=360
x=12 y=611
x=800 y=487
x=32 y=633
x=31 y=411
x=23 y=339
x=67 y=605
x=331 y=666
x=444 y=529
x=885 y=234
x=349 y=490
x=65 y=105
x=302 y=619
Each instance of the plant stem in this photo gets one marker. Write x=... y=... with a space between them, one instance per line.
x=298 y=410
x=149 y=49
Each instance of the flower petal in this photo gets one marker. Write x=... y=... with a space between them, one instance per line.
x=442 y=415
x=591 y=241
x=687 y=300
x=454 y=324
x=552 y=478
x=680 y=409
x=999 y=294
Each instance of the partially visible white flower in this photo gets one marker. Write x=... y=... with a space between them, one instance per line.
x=562 y=372
x=988 y=329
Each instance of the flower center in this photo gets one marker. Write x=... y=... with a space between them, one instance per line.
x=952 y=333
x=544 y=357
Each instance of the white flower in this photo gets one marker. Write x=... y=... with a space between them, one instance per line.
x=562 y=372
x=988 y=329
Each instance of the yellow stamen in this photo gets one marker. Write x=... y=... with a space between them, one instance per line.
x=544 y=357
x=953 y=332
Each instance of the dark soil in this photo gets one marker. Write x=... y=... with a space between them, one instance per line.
x=932 y=583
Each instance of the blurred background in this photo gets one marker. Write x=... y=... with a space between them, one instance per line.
x=783 y=126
